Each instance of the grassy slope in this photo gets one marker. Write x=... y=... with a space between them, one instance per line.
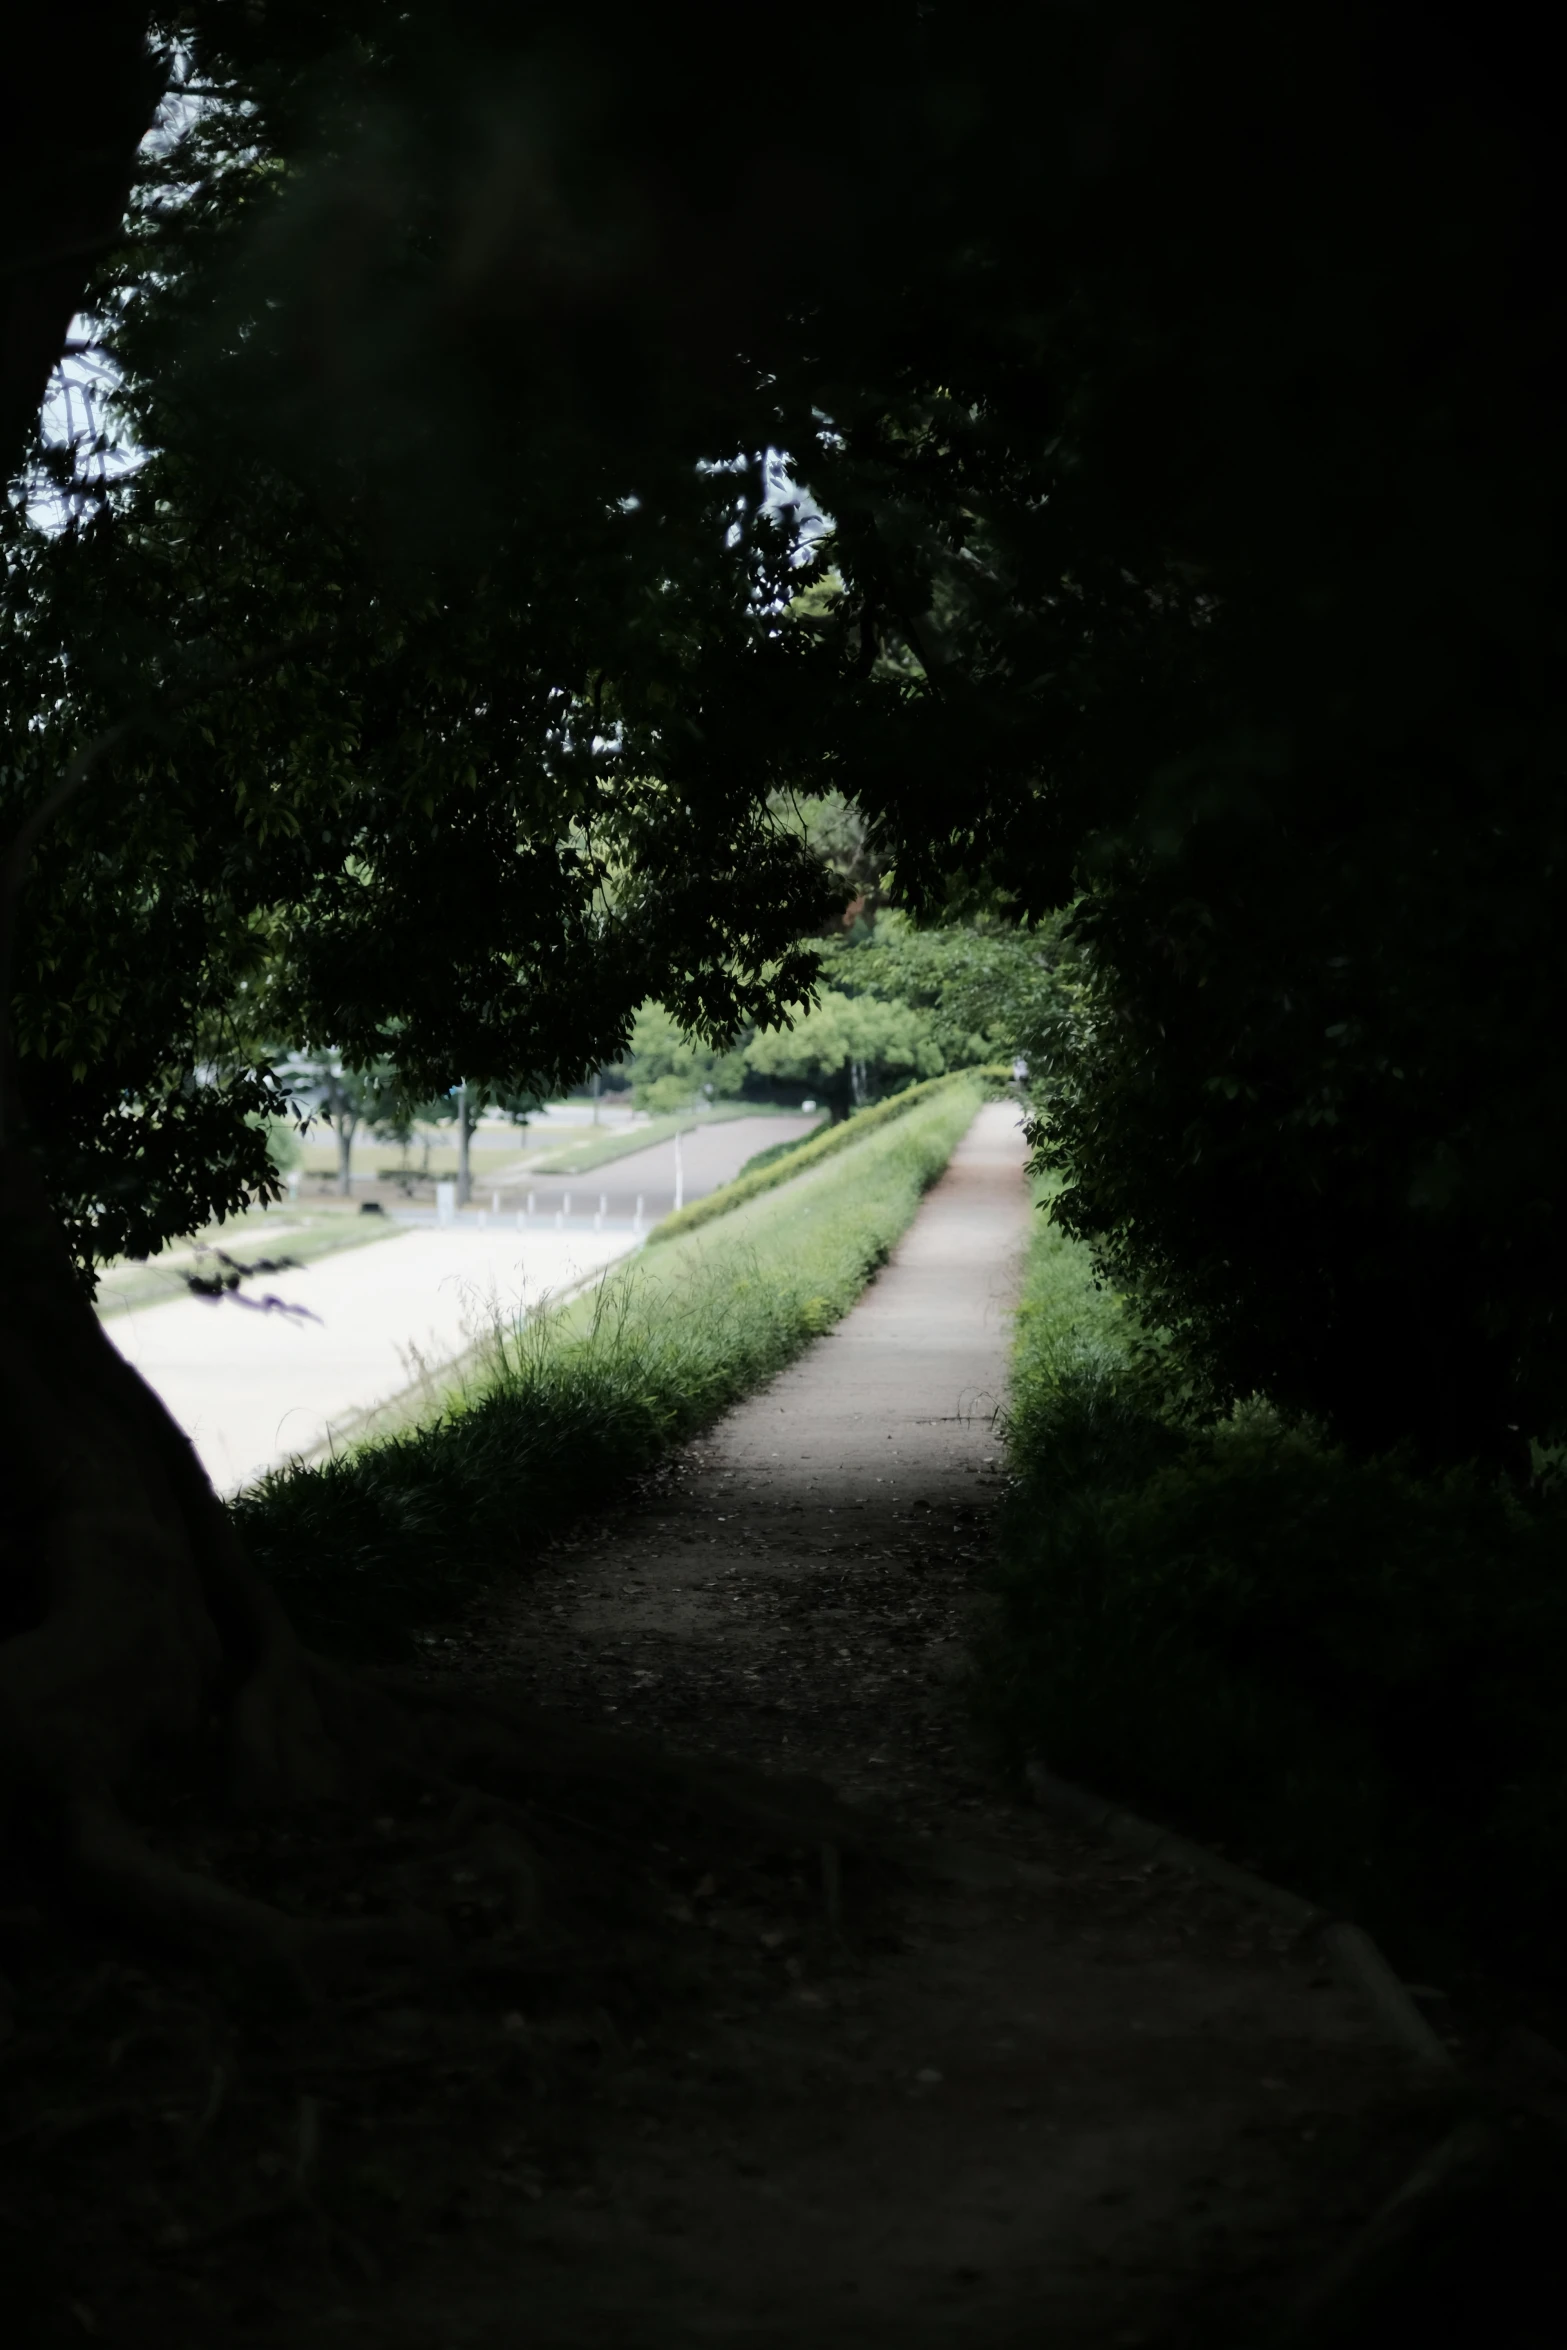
x=380 y=1542
x=1346 y=1673
x=767 y=1171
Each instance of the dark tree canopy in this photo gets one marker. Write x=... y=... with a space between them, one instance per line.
x=1182 y=390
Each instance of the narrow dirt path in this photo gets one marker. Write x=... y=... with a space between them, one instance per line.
x=803 y=1574
x=1066 y=2101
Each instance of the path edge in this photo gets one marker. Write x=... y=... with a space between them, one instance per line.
x=1352 y=1951
x=1470 y=2148
x=395 y=1413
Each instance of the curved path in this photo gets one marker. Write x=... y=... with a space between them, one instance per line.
x=709 y=1155
x=1071 y=2101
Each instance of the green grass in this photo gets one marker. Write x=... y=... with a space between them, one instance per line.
x=774 y=1152
x=597 y=1150
x=758 y=1178
x=372 y=1547
x=1345 y=1673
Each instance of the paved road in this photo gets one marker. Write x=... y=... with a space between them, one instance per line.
x=255 y=1387
x=710 y=1155
x=257 y=1383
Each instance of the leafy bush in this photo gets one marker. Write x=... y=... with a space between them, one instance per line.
x=1347 y=1671
x=670 y=1069
x=559 y=1413
x=889 y=1043
x=1307 y=1099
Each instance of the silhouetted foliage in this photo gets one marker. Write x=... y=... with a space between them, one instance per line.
x=1178 y=396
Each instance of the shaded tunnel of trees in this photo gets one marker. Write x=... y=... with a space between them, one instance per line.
x=1176 y=394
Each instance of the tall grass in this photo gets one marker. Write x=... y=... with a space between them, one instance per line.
x=1350 y=1674
x=372 y=1547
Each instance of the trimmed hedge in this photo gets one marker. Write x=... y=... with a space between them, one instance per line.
x=1347 y=1673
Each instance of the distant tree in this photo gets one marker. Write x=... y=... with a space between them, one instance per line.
x=989 y=990
x=670 y=1069
x=323 y=1086
x=850 y=1048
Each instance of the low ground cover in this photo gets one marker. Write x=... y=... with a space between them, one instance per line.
x=552 y=1417
x=1346 y=1672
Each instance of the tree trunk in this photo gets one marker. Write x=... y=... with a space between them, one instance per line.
x=464 y=1172
x=129 y=1615
x=347 y=1125
x=72 y=124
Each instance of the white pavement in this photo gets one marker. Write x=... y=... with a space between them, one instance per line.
x=901 y=1396
x=254 y=1384
x=255 y=1388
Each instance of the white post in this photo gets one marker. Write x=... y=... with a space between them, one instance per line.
x=565 y=1203
x=636 y=1221
x=598 y=1221
x=445 y=1202
x=464 y=1178
x=495 y=1203
x=530 y=1203
x=522 y=1220
x=680 y=1175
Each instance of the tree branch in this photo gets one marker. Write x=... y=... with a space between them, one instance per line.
x=19 y=851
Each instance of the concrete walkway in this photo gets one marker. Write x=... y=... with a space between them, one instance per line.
x=905 y=1390
x=1087 y=2104
x=274 y=1370
x=289 y=1362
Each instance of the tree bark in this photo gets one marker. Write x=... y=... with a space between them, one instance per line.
x=129 y=1615
x=464 y=1171
x=347 y=1126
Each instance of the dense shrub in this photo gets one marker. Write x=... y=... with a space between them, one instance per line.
x=1347 y=1671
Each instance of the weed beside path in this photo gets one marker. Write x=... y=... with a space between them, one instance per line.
x=1343 y=1672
